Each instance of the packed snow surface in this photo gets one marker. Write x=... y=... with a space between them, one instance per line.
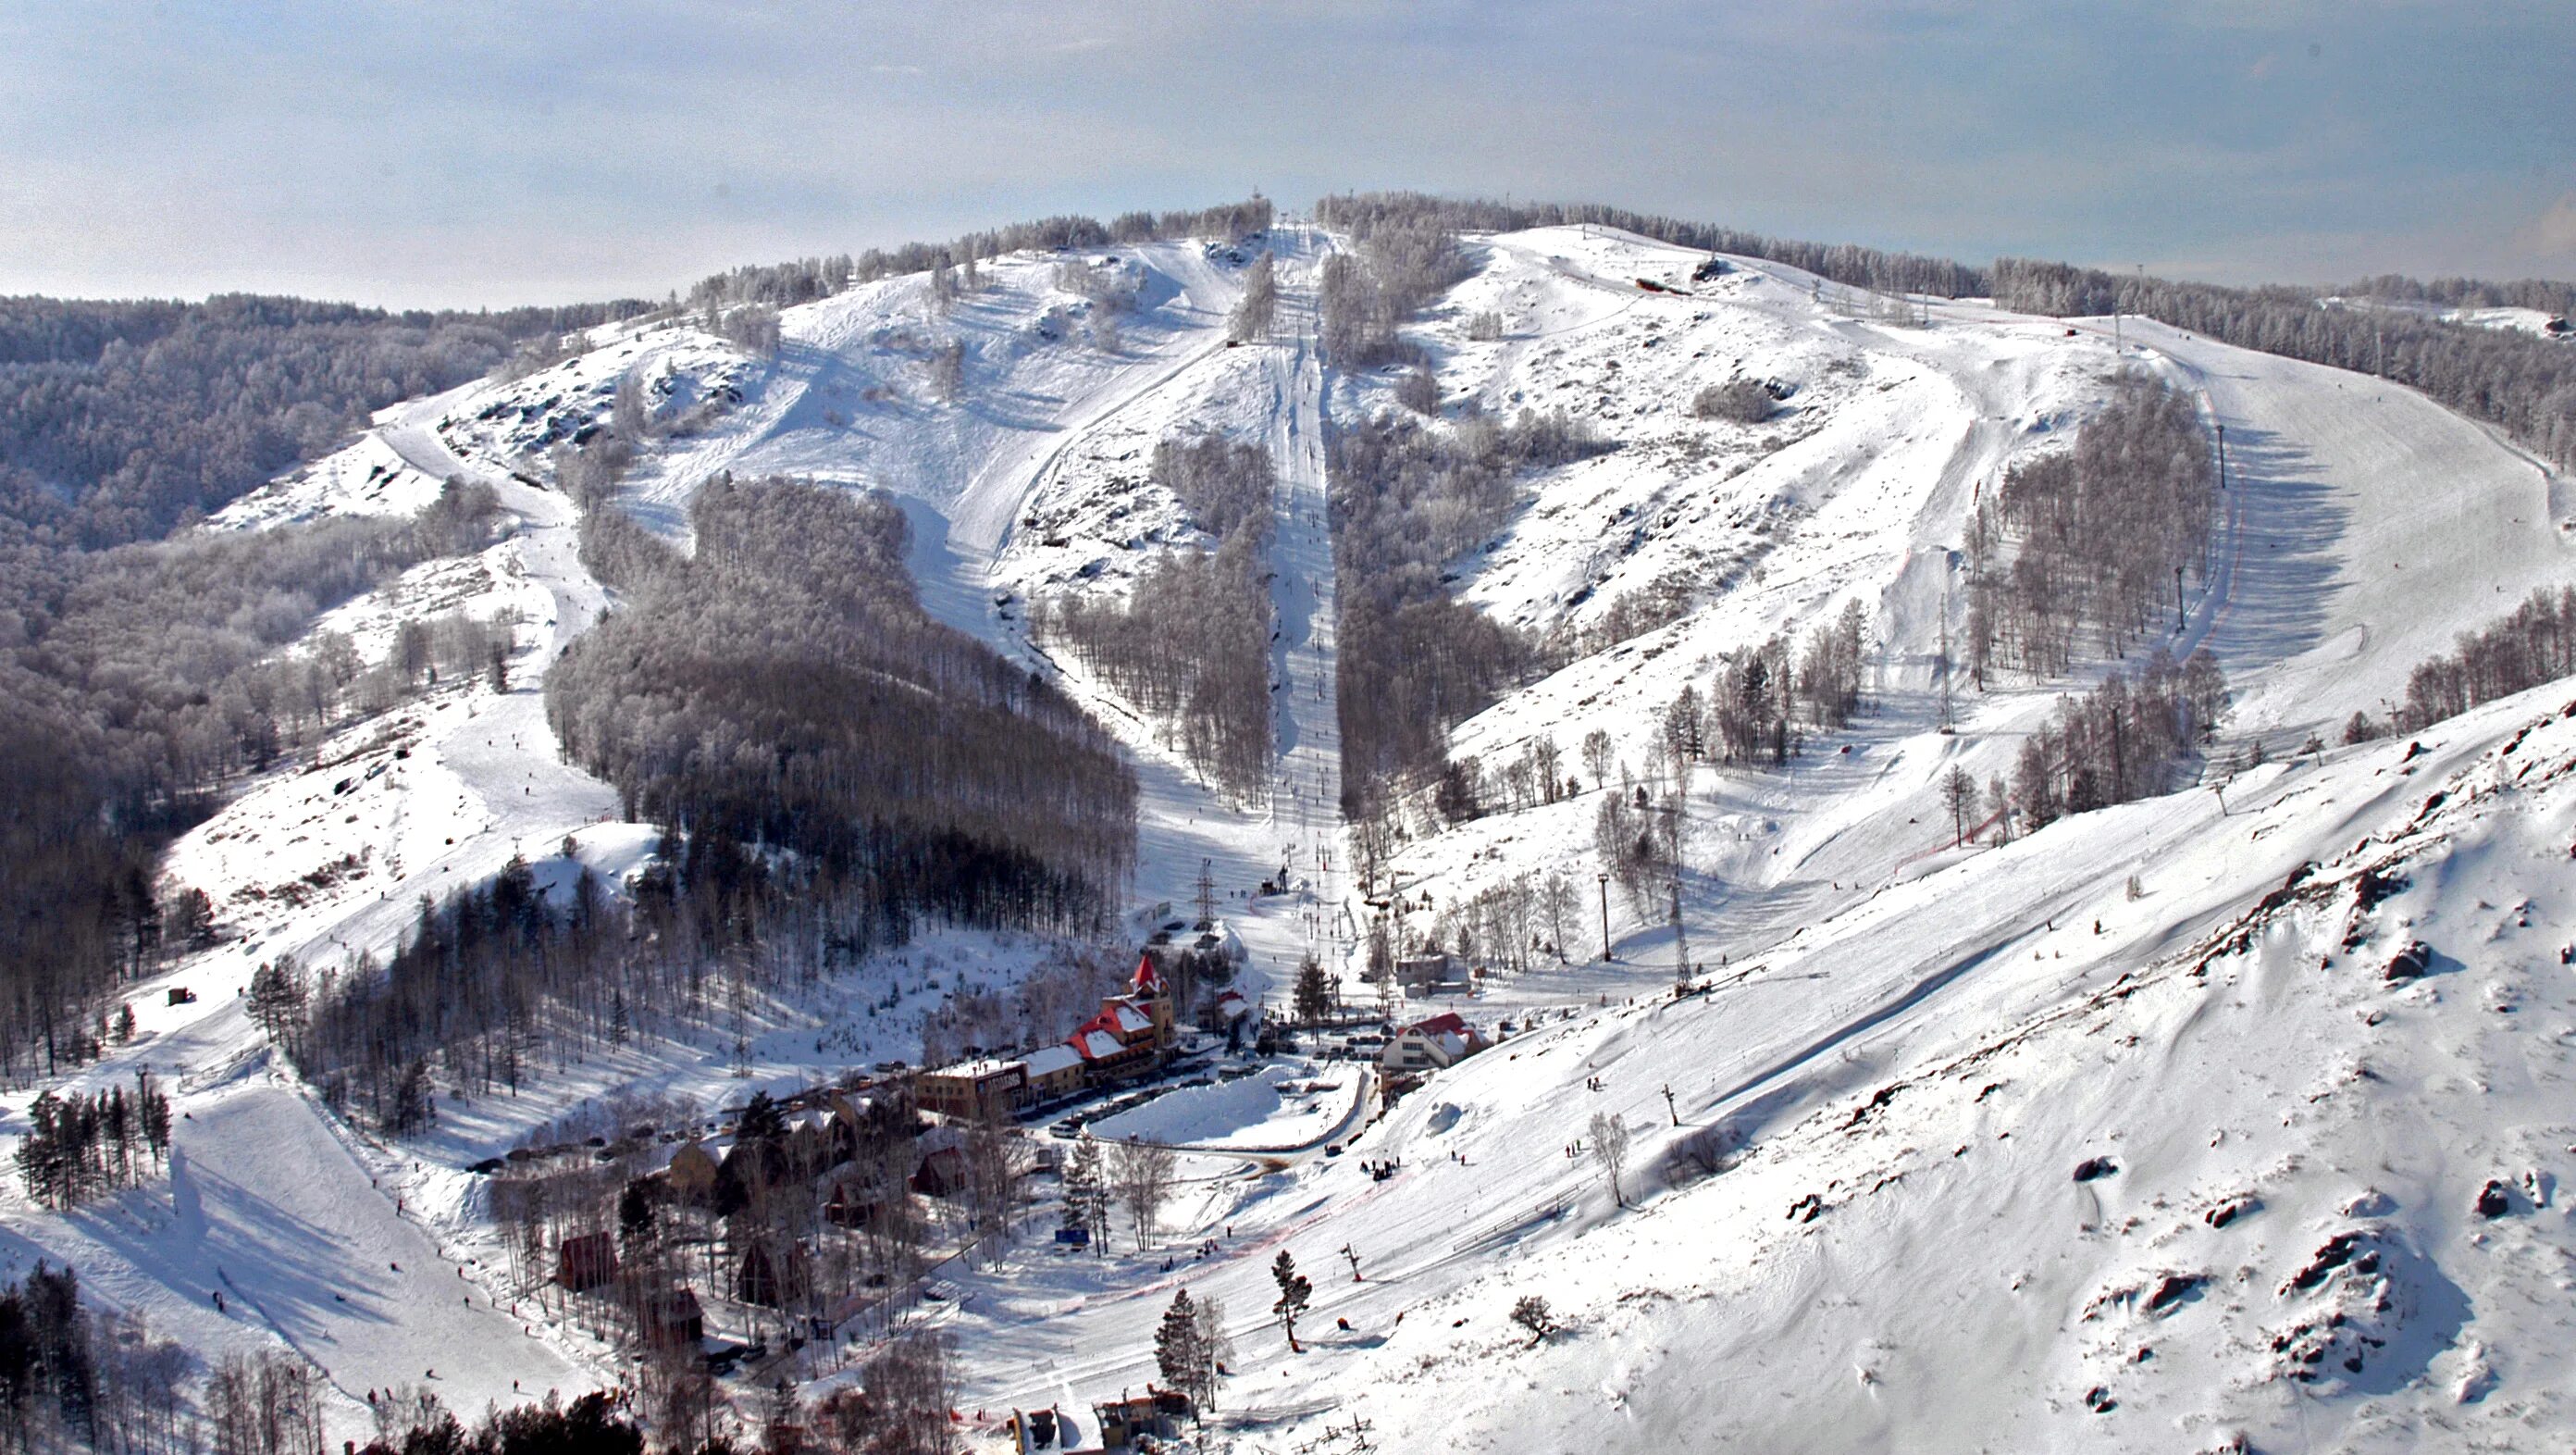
x=1284 y=1108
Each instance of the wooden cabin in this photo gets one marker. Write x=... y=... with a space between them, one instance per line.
x=584 y=1261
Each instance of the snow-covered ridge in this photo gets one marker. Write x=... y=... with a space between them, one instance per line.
x=2363 y=527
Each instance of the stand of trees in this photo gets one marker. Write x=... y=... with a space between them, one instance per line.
x=2536 y=644
x=1191 y=644
x=135 y=683
x=1250 y=320
x=1228 y=486
x=2522 y=382
x=79 y=1147
x=783 y=690
x=1508 y=924
x=1407 y=499
x=492 y=983
x=2119 y=742
x=71 y=1378
x=2099 y=535
x=784 y=285
x=421 y=1424
x=1840 y=262
x=1406 y=258
x=2549 y=295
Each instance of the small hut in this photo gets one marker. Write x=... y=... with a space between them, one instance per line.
x=584 y=1261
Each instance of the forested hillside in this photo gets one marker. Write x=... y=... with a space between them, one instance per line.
x=134 y=684
x=783 y=689
x=1190 y=644
x=120 y=420
x=2525 y=383
x=1414 y=660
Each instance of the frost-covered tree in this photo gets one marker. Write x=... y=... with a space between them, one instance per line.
x=1608 y=1136
x=948 y=370
x=1142 y=1174
x=1251 y=318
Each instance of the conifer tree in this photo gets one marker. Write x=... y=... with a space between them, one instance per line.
x=1295 y=1292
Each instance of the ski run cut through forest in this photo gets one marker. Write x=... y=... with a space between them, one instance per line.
x=1425 y=826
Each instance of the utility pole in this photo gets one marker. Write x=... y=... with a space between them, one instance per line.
x=1671 y=1110
x=2178 y=621
x=1605 y=915
x=1353 y=1255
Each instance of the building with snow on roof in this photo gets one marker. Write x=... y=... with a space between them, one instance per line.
x=1132 y=1034
x=1431 y=1045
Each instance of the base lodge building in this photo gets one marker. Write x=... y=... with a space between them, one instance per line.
x=1132 y=1034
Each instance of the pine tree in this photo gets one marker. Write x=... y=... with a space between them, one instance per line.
x=1295 y=1292
x=1178 y=1350
x=1086 y=1194
x=1314 y=992
x=277 y=999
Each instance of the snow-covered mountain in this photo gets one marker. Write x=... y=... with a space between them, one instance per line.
x=2120 y=1136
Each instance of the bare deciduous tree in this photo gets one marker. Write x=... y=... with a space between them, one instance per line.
x=1142 y=1174
x=1608 y=1135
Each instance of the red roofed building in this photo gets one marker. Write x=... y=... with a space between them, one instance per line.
x=1131 y=1032
x=1442 y=1041
x=1147 y=982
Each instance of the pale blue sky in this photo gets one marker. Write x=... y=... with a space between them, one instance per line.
x=488 y=153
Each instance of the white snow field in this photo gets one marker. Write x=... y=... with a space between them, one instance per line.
x=1909 y=1047
x=2365 y=527
x=1907 y=1251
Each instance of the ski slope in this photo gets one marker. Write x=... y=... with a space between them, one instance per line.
x=1953 y=1287
x=2378 y=527
x=1924 y=1039
x=2366 y=528
x=1901 y=1255
x=270 y=1200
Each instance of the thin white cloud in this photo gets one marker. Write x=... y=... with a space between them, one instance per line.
x=2553 y=235
x=485 y=152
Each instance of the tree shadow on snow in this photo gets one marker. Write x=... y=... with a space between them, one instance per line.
x=2285 y=569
